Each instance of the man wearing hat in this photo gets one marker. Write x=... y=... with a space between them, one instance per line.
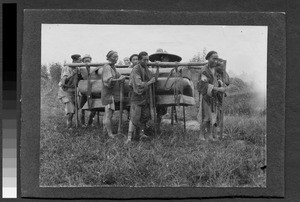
x=134 y=60
x=83 y=98
x=163 y=56
x=66 y=91
x=211 y=86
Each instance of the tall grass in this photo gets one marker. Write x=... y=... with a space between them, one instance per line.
x=86 y=157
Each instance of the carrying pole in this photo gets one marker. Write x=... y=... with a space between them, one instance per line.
x=121 y=108
x=184 y=125
x=152 y=107
x=154 y=100
x=76 y=97
x=195 y=65
x=89 y=87
x=175 y=114
x=222 y=108
x=172 y=115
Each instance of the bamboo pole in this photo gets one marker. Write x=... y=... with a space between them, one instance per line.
x=121 y=108
x=89 y=87
x=160 y=64
x=184 y=125
x=175 y=114
x=172 y=115
x=154 y=102
x=76 y=97
x=222 y=108
x=154 y=108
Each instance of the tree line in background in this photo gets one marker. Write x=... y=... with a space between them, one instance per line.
x=52 y=76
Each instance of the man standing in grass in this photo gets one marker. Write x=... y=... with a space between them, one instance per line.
x=83 y=98
x=211 y=86
x=66 y=91
x=109 y=78
x=140 y=80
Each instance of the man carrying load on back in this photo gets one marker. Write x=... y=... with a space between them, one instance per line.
x=212 y=84
x=140 y=80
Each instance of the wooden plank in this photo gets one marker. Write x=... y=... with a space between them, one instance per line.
x=161 y=100
x=168 y=100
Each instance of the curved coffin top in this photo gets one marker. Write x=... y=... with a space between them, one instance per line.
x=163 y=72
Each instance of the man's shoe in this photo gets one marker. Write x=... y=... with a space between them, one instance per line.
x=143 y=136
x=127 y=141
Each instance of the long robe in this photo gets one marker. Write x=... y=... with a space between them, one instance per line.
x=210 y=100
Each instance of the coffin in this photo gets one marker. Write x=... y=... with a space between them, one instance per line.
x=165 y=88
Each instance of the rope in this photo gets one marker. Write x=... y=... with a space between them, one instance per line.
x=177 y=84
x=89 y=87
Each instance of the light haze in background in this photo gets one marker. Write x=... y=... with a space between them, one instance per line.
x=244 y=47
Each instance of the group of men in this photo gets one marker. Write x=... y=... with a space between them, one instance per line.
x=211 y=87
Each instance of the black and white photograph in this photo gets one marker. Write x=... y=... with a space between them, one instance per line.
x=131 y=105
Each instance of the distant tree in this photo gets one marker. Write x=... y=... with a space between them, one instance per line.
x=199 y=57
x=44 y=72
x=55 y=72
x=44 y=76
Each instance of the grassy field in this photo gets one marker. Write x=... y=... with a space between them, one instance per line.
x=85 y=157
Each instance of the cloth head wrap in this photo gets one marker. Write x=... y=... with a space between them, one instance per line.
x=209 y=54
x=86 y=56
x=110 y=53
x=133 y=56
x=75 y=56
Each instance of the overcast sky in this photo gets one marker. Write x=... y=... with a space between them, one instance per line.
x=244 y=47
